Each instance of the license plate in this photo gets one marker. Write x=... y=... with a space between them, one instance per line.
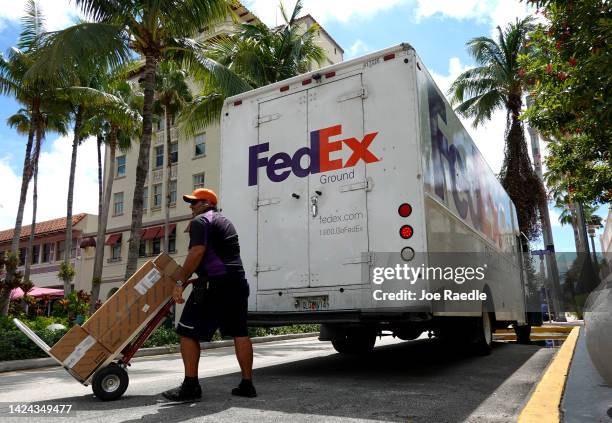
x=312 y=303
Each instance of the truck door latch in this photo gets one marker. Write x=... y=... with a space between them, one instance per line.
x=314 y=201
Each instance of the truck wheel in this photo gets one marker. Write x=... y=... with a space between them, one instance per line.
x=355 y=343
x=110 y=383
x=482 y=339
x=523 y=333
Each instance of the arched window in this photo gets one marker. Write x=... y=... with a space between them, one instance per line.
x=111 y=292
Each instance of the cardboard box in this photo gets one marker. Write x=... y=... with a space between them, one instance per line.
x=80 y=352
x=126 y=312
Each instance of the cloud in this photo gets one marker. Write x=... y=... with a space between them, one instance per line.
x=489 y=137
x=58 y=13
x=53 y=176
x=322 y=10
x=357 y=49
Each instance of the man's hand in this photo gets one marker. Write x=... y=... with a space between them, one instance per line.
x=177 y=294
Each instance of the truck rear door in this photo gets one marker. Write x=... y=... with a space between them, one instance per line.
x=337 y=218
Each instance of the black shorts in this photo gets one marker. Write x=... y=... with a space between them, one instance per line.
x=221 y=303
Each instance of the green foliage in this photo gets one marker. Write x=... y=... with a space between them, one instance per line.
x=254 y=56
x=66 y=272
x=162 y=336
x=568 y=73
x=75 y=304
x=14 y=345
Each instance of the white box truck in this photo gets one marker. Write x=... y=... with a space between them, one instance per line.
x=329 y=174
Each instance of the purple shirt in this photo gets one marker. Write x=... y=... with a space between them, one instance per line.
x=218 y=235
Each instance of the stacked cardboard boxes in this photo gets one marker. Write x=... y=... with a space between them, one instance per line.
x=119 y=319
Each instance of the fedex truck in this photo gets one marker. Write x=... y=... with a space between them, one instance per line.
x=339 y=178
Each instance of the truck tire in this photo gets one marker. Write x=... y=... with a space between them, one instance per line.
x=482 y=334
x=523 y=333
x=110 y=383
x=353 y=343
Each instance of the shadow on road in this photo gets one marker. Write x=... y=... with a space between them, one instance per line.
x=413 y=381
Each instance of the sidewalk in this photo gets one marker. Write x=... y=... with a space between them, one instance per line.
x=586 y=397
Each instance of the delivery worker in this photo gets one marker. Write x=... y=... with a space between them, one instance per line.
x=219 y=297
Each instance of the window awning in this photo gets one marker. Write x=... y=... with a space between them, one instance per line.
x=113 y=239
x=150 y=233
x=162 y=233
x=90 y=241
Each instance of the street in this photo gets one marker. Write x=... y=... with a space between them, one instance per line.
x=304 y=380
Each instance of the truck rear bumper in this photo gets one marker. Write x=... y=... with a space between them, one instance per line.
x=336 y=316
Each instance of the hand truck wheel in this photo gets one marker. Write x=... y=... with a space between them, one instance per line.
x=110 y=383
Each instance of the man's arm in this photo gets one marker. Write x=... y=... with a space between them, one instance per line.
x=192 y=261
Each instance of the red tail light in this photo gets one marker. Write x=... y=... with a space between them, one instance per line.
x=406 y=231
x=405 y=210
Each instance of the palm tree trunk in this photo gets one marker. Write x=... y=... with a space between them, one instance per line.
x=28 y=262
x=142 y=167
x=517 y=173
x=26 y=177
x=103 y=208
x=25 y=182
x=168 y=174
x=78 y=122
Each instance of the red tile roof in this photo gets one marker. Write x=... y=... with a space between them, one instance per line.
x=42 y=228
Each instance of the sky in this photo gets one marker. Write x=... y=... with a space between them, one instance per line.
x=437 y=29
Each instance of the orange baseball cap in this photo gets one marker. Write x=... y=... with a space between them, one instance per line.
x=202 y=194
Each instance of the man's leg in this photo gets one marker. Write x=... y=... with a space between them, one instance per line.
x=244 y=354
x=190 y=351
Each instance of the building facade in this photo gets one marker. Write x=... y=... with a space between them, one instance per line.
x=195 y=164
x=48 y=250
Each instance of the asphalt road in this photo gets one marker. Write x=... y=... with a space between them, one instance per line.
x=304 y=380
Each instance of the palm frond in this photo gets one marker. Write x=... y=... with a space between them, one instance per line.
x=201 y=112
x=32 y=27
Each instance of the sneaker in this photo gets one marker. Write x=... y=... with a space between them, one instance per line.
x=245 y=389
x=184 y=393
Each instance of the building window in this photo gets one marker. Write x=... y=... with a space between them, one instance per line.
x=118 y=204
x=157 y=195
x=142 y=248
x=47 y=251
x=116 y=251
x=200 y=145
x=172 y=192
x=35 y=254
x=159 y=156
x=120 y=166
x=172 y=242
x=174 y=152
x=161 y=123
x=59 y=252
x=198 y=181
x=145 y=198
x=23 y=252
x=156 y=246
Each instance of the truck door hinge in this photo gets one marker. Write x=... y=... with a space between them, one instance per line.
x=364 y=258
x=265 y=202
x=266 y=118
x=362 y=92
x=367 y=185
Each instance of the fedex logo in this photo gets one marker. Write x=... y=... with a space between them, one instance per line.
x=281 y=165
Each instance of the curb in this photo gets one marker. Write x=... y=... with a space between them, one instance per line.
x=37 y=363
x=545 y=401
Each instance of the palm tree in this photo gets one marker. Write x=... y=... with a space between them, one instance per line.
x=31 y=93
x=155 y=30
x=114 y=125
x=173 y=95
x=253 y=57
x=21 y=121
x=496 y=84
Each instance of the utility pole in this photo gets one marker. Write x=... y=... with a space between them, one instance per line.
x=549 y=244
